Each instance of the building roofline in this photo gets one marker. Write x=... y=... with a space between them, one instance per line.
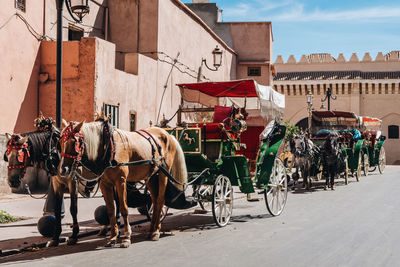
x=203 y=24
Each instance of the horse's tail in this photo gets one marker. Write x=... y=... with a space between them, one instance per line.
x=178 y=170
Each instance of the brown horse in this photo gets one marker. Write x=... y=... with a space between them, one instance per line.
x=86 y=143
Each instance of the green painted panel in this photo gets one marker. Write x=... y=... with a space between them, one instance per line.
x=266 y=157
x=237 y=169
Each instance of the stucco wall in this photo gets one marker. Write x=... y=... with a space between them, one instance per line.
x=112 y=86
x=177 y=32
x=20 y=61
x=78 y=80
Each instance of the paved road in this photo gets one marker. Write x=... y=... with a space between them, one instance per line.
x=355 y=225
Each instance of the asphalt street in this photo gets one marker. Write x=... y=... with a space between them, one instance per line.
x=355 y=225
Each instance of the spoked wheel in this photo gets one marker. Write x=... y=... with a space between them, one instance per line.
x=359 y=168
x=222 y=201
x=346 y=171
x=204 y=195
x=382 y=160
x=148 y=209
x=276 y=193
x=164 y=212
x=365 y=164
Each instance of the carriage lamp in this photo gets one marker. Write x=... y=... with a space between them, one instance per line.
x=77 y=9
x=328 y=96
x=217 y=59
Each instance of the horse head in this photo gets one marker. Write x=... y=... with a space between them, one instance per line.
x=17 y=156
x=332 y=143
x=298 y=145
x=71 y=147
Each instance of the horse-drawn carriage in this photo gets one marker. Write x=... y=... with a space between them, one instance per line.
x=373 y=151
x=227 y=151
x=346 y=125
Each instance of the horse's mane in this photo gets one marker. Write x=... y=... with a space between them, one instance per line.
x=93 y=138
x=39 y=144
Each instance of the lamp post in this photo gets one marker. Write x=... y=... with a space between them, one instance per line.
x=328 y=96
x=309 y=109
x=77 y=9
x=217 y=62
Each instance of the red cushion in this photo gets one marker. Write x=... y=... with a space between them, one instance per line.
x=251 y=137
x=213 y=130
x=221 y=113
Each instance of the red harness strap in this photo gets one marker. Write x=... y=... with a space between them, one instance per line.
x=22 y=148
x=70 y=133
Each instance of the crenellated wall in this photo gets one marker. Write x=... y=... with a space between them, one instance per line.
x=367 y=87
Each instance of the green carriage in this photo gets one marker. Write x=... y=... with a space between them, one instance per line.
x=373 y=151
x=228 y=152
x=347 y=125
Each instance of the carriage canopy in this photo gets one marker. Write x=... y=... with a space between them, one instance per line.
x=242 y=93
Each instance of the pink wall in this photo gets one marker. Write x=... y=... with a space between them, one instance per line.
x=178 y=31
x=20 y=60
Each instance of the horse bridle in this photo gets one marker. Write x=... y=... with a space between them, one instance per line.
x=22 y=154
x=70 y=133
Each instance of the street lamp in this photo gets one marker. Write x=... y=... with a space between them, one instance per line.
x=309 y=108
x=77 y=9
x=217 y=58
x=217 y=62
x=328 y=96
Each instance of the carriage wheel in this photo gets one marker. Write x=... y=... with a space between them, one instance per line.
x=359 y=168
x=222 y=201
x=365 y=164
x=346 y=171
x=276 y=193
x=382 y=160
x=148 y=209
x=204 y=197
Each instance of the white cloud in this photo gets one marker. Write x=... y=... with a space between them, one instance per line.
x=294 y=11
x=323 y=15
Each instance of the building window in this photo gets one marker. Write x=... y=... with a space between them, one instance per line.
x=393 y=131
x=254 y=71
x=132 y=121
x=113 y=112
x=74 y=33
x=20 y=4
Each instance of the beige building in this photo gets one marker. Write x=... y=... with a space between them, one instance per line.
x=367 y=86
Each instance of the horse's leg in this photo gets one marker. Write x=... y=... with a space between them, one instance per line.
x=157 y=207
x=121 y=191
x=327 y=177
x=58 y=197
x=74 y=211
x=333 y=174
x=107 y=189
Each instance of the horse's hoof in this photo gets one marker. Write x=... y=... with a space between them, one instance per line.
x=52 y=243
x=154 y=236
x=111 y=243
x=332 y=188
x=72 y=241
x=325 y=187
x=125 y=243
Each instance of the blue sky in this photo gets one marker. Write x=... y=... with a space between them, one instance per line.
x=323 y=26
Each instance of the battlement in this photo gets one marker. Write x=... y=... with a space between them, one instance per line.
x=324 y=58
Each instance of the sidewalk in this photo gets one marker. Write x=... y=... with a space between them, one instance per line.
x=24 y=232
